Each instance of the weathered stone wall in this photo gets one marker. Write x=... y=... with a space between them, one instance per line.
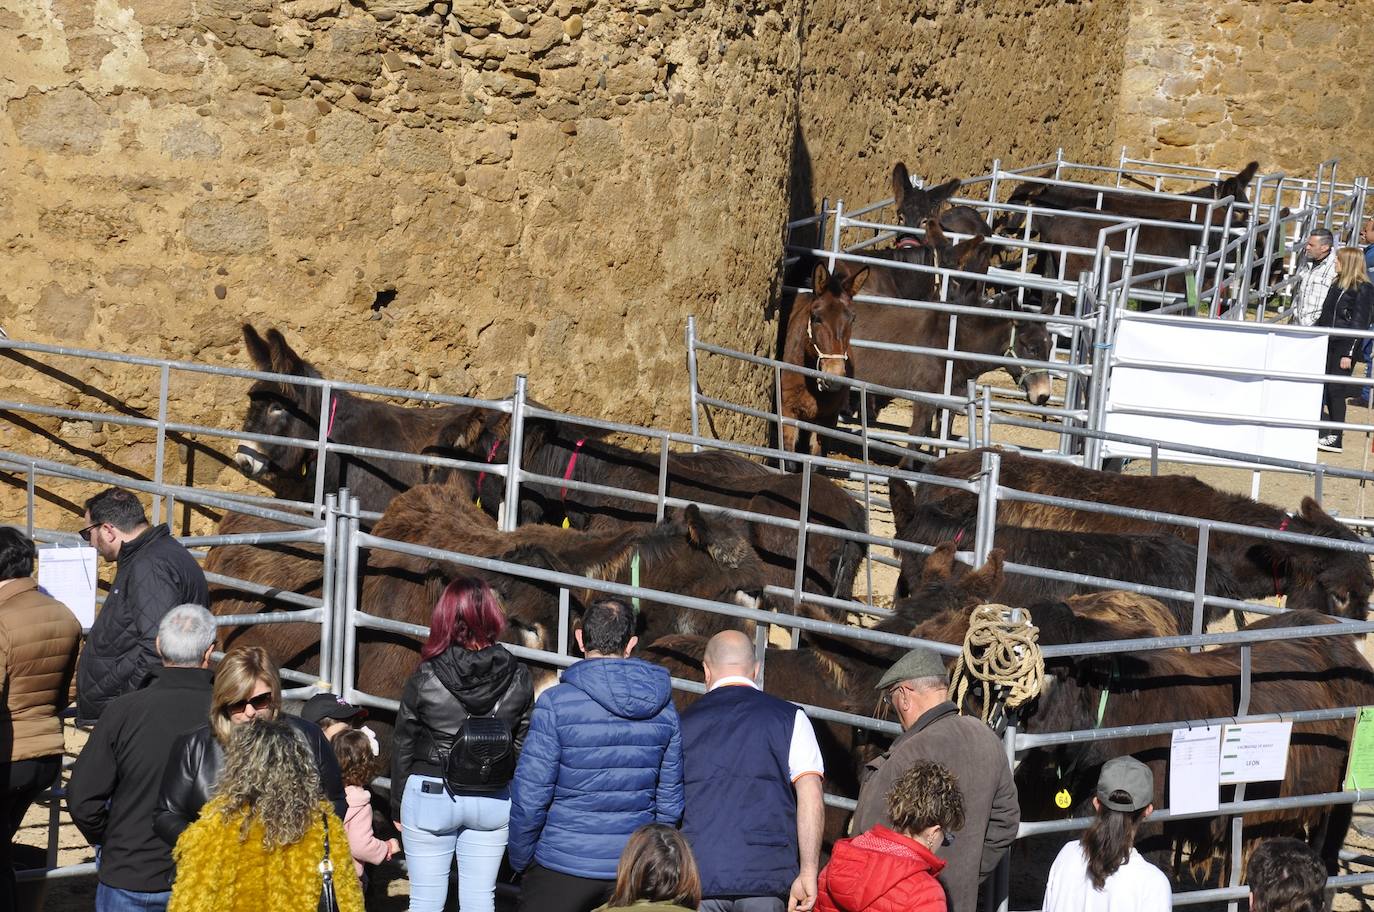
x=1219 y=84
x=430 y=195
x=948 y=86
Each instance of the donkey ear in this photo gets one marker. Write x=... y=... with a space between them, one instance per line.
x=1311 y=511
x=258 y=349
x=940 y=564
x=284 y=357
x=903 y=503
x=964 y=251
x=944 y=191
x=856 y=282
x=935 y=235
x=984 y=582
x=697 y=533
x=1246 y=174
x=820 y=280
x=901 y=183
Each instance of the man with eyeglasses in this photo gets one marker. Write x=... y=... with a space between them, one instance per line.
x=932 y=729
x=154 y=573
x=115 y=783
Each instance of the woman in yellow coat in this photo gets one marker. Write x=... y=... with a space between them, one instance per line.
x=259 y=843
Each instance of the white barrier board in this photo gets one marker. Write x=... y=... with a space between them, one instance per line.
x=1182 y=396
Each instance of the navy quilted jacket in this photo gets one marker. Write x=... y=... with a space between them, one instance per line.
x=602 y=758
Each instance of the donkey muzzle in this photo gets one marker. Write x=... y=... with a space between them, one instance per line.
x=251 y=462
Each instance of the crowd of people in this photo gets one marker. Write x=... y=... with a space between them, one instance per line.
x=201 y=792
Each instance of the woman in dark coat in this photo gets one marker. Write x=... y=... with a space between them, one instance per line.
x=1349 y=304
x=464 y=673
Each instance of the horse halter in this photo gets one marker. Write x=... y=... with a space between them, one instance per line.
x=820 y=355
x=1011 y=352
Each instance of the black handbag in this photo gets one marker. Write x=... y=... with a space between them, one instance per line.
x=328 y=901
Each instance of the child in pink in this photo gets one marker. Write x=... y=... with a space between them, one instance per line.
x=358 y=766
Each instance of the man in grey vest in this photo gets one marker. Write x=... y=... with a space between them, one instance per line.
x=933 y=730
x=752 y=770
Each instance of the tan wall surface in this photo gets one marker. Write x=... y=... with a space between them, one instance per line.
x=1219 y=84
x=548 y=187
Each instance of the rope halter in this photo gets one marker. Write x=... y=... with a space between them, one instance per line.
x=1003 y=655
x=820 y=355
x=1011 y=352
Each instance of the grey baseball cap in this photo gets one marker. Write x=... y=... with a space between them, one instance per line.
x=1129 y=775
x=918 y=663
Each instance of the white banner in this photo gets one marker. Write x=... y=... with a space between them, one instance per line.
x=1191 y=403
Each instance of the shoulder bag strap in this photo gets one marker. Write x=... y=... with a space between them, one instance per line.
x=328 y=900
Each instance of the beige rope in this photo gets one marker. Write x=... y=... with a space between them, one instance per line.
x=1001 y=653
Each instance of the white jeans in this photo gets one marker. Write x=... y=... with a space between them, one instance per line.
x=436 y=826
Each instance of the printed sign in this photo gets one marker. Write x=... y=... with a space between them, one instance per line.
x=1194 y=757
x=1254 y=752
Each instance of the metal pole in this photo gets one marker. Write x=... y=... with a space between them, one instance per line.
x=564 y=628
x=1097 y=390
x=1238 y=821
x=321 y=440
x=164 y=382
x=328 y=586
x=30 y=489
x=987 y=416
x=348 y=642
x=835 y=234
x=511 y=519
x=971 y=413
x=1199 y=580
x=987 y=507
x=692 y=378
x=761 y=650
x=662 y=476
x=799 y=566
x=1001 y=898
x=868 y=491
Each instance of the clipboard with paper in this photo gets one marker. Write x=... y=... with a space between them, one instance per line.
x=70 y=576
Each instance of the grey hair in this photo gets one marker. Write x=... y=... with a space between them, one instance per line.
x=184 y=634
x=1323 y=235
x=932 y=682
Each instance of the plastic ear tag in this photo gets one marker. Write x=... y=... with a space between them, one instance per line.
x=479 y=503
x=567 y=524
x=1063 y=799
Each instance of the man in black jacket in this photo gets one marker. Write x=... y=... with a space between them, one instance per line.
x=155 y=573
x=114 y=784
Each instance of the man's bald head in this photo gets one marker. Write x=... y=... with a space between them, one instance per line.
x=729 y=652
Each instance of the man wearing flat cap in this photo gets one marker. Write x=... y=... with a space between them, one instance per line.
x=932 y=729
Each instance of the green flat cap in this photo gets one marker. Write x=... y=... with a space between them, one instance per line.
x=918 y=663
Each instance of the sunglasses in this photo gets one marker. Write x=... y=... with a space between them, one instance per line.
x=86 y=532
x=259 y=703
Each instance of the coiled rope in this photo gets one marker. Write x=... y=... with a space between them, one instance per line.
x=1002 y=654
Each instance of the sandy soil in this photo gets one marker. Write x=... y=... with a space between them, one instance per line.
x=1032 y=857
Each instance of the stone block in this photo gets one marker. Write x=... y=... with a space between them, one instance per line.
x=174 y=57
x=63 y=120
x=545 y=34
x=310 y=10
x=220 y=227
x=397 y=6
x=189 y=140
x=415 y=150
x=476 y=14
x=63 y=315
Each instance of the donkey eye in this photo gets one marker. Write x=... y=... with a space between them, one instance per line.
x=815 y=318
x=275 y=409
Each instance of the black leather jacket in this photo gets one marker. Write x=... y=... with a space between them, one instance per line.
x=441 y=694
x=193 y=770
x=1347 y=308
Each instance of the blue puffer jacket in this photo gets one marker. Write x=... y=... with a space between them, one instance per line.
x=602 y=758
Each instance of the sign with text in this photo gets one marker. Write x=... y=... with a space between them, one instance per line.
x=1254 y=752
x=1359 y=772
x=1194 y=757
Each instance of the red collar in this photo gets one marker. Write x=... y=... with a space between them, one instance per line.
x=568 y=472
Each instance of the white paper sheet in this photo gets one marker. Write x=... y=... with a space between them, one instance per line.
x=1254 y=752
x=1193 y=758
x=69 y=575
x=1247 y=400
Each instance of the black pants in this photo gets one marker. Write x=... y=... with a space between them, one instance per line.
x=543 y=890
x=1334 y=393
x=23 y=781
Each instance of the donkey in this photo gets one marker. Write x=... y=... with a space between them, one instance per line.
x=287 y=410
x=1157 y=559
x=818 y=331
x=572 y=452
x=1323 y=579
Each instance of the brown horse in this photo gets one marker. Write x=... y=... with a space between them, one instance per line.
x=818 y=332
x=288 y=410
x=1323 y=579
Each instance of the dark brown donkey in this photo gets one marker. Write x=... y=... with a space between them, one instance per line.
x=1323 y=579
x=818 y=331
x=565 y=450
x=289 y=410
x=696 y=556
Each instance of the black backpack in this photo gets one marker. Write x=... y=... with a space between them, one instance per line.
x=482 y=758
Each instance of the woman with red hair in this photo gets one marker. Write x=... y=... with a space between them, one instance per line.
x=463 y=718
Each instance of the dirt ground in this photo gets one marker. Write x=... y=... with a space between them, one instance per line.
x=1032 y=857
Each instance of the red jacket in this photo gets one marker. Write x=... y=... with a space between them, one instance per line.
x=881 y=871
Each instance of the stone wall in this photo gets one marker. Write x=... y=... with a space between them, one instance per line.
x=429 y=195
x=950 y=86
x=1219 y=84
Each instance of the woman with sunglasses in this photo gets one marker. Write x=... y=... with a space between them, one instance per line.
x=894 y=870
x=247 y=687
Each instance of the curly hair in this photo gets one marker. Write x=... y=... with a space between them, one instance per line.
x=924 y=796
x=357 y=764
x=269 y=776
x=1286 y=875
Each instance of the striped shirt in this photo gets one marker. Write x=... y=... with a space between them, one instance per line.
x=1315 y=279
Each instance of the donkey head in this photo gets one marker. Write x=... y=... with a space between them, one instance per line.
x=1322 y=579
x=277 y=408
x=916 y=205
x=1029 y=341
x=704 y=557
x=830 y=320
x=1237 y=184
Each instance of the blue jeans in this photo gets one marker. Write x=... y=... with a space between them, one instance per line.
x=113 y=899
x=437 y=826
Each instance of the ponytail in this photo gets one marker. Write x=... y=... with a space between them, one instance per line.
x=1108 y=842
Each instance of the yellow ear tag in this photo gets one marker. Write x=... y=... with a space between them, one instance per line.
x=479 y=503
x=566 y=523
x=1063 y=799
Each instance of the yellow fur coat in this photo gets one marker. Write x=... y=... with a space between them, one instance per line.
x=219 y=872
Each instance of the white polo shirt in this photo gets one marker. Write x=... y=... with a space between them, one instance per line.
x=1136 y=886
x=804 y=754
